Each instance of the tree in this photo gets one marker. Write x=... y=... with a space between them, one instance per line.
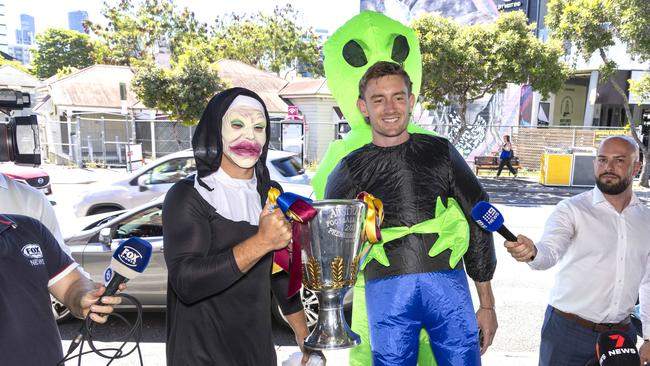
x=60 y=48
x=461 y=64
x=592 y=26
x=137 y=31
x=271 y=42
x=182 y=91
x=14 y=63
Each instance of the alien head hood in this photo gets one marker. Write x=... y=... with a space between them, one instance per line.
x=207 y=140
x=361 y=42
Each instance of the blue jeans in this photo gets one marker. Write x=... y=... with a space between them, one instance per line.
x=565 y=343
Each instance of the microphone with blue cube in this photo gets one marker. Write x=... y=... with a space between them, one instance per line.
x=129 y=260
x=490 y=219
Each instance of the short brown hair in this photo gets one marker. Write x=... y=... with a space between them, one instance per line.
x=381 y=69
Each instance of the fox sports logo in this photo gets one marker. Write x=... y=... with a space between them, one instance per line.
x=129 y=256
x=32 y=251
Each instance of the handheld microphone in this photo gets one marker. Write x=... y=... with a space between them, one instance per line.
x=129 y=260
x=489 y=218
x=615 y=347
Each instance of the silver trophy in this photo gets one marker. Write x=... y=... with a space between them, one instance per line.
x=331 y=245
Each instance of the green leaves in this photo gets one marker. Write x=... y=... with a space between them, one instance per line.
x=464 y=63
x=60 y=48
x=275 y=42
x=182 y=91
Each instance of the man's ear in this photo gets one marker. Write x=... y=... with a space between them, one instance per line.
x=411 y=101
x=361 y=104
x=637 y=168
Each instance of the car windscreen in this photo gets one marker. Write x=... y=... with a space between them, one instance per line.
x=288 y=166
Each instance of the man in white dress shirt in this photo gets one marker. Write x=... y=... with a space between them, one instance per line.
x=600 y=241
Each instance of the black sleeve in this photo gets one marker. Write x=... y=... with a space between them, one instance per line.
x=280 y=287
x=480 y=259
x=192 y=273
x=340 y=183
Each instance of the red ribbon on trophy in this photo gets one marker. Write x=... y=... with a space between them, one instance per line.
x=299 y=211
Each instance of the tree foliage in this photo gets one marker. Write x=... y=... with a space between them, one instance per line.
x=592 y=26
x=273 y=42
x=461 y=64
x=60 y=48
x=14 y=63
x=136 y=31
x=183 y=91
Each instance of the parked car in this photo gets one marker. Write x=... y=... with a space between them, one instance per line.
x=29 y=175
x=156 y=178
x=93 y=247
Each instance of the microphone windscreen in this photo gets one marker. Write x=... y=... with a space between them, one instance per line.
x=487 y=216
x=131 y=257
x=616 y=348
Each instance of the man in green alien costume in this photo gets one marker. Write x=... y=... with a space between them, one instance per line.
x=413 y=281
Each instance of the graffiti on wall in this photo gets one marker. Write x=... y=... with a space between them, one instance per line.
x=488 y=119
x=463 y=11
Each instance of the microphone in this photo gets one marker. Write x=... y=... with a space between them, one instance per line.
x=129 y=260
x=489 y=218
x=615 y=347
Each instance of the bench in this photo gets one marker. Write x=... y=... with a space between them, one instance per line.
x=492 y=163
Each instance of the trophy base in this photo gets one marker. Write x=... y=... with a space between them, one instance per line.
x=332 y=332
x=332 y=343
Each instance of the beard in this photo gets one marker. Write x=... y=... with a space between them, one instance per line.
x=612 y=188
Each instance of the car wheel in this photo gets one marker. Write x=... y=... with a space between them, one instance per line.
x=60 y=312
x=309 y=304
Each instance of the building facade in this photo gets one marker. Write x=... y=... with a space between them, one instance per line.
x=76 y=20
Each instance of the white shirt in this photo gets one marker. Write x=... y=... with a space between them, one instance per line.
x=233 y=199
x=20 y=199
x=603 y=257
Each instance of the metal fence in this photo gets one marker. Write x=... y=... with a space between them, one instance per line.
x=107 y=140
x=529 y=143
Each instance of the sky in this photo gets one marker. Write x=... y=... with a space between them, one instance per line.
x=329 y=14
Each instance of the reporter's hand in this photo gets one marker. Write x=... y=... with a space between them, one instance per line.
x=522 y=250
x=274 y=230
x=91 y=308
x=644 y=353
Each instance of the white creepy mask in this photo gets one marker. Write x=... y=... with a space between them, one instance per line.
x=244 y=131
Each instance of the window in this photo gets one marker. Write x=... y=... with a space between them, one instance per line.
x=171 y=171
x=289 y=166
x=144 y=224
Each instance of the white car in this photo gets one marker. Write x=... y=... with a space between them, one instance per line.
x=152 y=180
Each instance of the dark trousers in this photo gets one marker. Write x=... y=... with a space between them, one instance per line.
x=506 y=162
x=565 y=343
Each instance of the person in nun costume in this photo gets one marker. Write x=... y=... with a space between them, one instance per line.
x=219 y=243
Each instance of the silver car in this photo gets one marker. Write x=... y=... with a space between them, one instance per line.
x=156 y=178
x=94 y=246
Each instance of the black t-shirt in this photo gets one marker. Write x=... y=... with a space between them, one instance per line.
x=409 y=178
x=30 y=261
x=216 y=315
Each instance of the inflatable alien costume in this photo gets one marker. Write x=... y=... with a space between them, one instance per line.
x=414 y=278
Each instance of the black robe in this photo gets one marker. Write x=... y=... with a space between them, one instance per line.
x=408 y=178
x=217 y=315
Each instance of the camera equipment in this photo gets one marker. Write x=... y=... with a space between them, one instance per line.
x=19 y=141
